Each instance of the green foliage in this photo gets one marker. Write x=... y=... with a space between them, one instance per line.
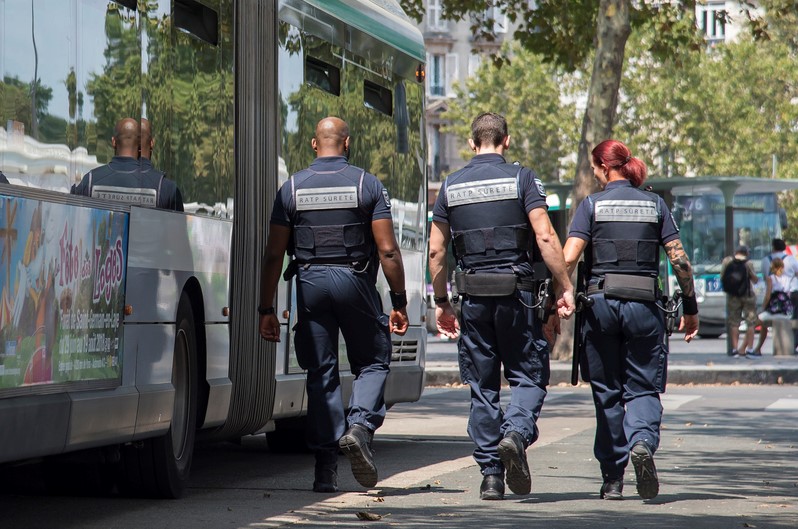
x=538 y=101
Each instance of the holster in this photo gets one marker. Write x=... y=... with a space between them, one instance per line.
x=485 y=284
x=630 y=287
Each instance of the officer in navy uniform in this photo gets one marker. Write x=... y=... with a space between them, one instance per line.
x=620 y=229
x=335 y=219
x=492 y=211
x=124 y=179
x=169 y=196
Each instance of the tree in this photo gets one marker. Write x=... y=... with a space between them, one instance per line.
x=556 y=29
x=530 y=94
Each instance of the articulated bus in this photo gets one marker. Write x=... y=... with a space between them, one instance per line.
x=131 y=332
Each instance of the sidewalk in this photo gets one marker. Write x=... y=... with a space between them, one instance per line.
x=702 y=361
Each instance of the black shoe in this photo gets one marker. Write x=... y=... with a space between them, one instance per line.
x=612 y=489
x=513 y=456
x=492 y=487
x=356 y=446
x=646 y=472
x=326 y=478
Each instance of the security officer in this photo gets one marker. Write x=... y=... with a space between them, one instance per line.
x=335 y=219
x=169 y=196
x=622 y=228
x=123 y=178
x=491 y=210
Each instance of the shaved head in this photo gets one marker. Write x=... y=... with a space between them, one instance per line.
x=127 y=135
x=332 y=137
x=146 y=138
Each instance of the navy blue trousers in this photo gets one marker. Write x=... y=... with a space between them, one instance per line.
x=627 y=364
x=332 y=299
x=496 y=332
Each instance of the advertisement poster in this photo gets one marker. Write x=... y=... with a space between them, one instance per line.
x=62 y=278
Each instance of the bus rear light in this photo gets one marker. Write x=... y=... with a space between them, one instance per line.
x=286 y=314
x=128 y=310
x=225 y=311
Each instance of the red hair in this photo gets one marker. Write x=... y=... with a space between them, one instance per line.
x=615 y=155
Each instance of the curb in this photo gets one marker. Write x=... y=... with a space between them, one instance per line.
x=682 y=375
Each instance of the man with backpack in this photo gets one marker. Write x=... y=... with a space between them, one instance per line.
x=737 y=278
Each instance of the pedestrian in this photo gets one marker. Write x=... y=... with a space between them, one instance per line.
x=169 y=196
x=620 y=230
x=123 y=179
x=492 y=211
x=776 y=304
x=779 y=249
x=737 y=279
x=335 y=221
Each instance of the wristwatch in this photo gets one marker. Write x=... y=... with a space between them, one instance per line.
x=264 y=311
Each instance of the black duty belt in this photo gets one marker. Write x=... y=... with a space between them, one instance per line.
x=626 y=287
x=487 y=284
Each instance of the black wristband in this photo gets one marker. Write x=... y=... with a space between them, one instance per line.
x=398 y=300
x=689 y=306
x=267 y=310
x=440 y=300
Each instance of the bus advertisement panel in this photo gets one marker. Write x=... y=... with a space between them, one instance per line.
x=62 y=294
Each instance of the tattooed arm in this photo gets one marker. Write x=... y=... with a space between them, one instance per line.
x=681 y=267
x=684 y=275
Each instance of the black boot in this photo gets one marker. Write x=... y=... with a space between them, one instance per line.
x=646 y=472
x=612 y=489
x=356 y=446
x=326 y=472
x=492 y=487
x=512 y=452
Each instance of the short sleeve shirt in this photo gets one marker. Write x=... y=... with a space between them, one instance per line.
x=581 y=224
x=375 y=199
x=529 y=185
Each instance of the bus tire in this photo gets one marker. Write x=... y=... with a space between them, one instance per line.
x=160 y=467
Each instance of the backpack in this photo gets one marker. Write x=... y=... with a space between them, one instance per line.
x=735 y=280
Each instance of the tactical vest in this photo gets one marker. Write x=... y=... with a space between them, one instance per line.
x=626 y=224
x=489 y=225
x=330 y=225
x=128 y=186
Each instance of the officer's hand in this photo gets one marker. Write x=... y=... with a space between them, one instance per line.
x=269 y=328
x=566 y=304
x=551 y=328
x=689 y=325
x=398 y=321
x=446 y=320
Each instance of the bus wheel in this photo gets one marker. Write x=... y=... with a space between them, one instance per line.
x=160 y=467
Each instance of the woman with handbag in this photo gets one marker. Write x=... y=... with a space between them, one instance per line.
x=776 y=304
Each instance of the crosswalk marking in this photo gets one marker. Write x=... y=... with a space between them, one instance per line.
x=784 y=404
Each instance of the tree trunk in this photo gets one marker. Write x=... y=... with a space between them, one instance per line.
x=612 y=31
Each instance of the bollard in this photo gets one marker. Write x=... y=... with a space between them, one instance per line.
x=783 y=342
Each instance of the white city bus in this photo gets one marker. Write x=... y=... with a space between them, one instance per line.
x=134 y=330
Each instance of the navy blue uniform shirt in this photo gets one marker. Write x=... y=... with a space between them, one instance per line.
x=530 y=187
x=580 y=226
x=375 y=199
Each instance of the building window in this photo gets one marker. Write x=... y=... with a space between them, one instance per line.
x=474 y=62
x=435 y=20
x=499 y=19
x=442 y=74
x=435 y=154
x=711 y=18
